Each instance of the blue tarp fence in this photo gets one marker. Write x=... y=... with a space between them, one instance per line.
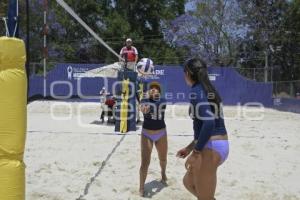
x=285 y=104
x=67 y=80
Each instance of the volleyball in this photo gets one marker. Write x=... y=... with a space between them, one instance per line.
x=145 y=66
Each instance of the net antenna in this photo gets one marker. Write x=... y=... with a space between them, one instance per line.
x=6 y=26
x=75 y=16
x=11 y=22
x=16 y=18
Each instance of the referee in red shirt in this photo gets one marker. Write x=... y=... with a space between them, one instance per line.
x=130 y=54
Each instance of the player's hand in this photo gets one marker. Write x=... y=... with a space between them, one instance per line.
x=145 y=109
x=193 y=161
x=183 y=153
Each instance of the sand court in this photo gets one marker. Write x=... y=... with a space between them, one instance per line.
x=72 y=156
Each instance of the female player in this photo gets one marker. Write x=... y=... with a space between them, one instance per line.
x=210 y=147
x=153 y=132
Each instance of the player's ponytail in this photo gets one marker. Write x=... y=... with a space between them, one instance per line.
x=197 y=69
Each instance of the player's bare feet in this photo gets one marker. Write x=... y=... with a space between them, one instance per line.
x=164 y=179
x=142 y=192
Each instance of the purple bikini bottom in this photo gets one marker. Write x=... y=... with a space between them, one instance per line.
x=154 y=137
x=220 y=146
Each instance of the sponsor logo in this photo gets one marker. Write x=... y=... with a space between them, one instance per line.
x=76 y=73
x=213 y=77
x=70 y=72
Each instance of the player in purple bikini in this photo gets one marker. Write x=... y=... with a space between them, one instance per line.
x=210 y=146
x=153 y=132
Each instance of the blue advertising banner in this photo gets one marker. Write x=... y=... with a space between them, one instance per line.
x=288 y=105
x=67 y=80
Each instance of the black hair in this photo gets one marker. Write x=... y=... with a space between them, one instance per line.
x=197 y=69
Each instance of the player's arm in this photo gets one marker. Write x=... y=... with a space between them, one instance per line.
x=136 y=55
x=208 y=123
x=191 y=146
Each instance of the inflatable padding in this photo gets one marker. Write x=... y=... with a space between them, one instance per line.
x=13 y=103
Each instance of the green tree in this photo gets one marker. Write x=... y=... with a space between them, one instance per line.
x=3 y=13
x=274 y=31
x=114 y=21
x=288 y=55
x=141 y=20
x=69 y=37
x=211 y=29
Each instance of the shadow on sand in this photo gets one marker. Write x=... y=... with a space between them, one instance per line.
x=98 y=122
x=153 y=187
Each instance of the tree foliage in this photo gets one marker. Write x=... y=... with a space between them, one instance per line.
x=114 y=21
x=210 y=30
x=273 y=32
x=244 y=33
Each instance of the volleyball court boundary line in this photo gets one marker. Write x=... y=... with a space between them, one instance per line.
x=99 y=171
x=97 y=133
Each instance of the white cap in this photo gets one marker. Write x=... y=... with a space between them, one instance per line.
x=128 y=40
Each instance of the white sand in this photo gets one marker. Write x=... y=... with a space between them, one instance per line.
x=65 y=158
